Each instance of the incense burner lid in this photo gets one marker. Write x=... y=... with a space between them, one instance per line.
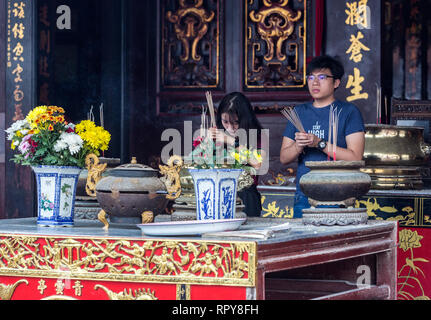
x=131 y=177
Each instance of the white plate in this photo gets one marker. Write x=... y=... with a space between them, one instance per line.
x=194 y=227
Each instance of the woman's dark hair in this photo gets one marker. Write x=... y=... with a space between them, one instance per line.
x=235 y=104
x=327 y=62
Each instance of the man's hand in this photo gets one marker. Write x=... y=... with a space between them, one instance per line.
x=306 y=139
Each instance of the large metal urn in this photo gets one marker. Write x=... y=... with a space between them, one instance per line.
x=395 y=156
x=132 y=193
x=332 y=188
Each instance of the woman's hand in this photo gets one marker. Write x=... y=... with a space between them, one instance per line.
x=220 y=135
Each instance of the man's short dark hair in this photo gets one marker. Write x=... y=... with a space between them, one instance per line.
x=327 y=62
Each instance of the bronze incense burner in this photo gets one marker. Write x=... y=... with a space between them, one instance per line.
x=332 y=188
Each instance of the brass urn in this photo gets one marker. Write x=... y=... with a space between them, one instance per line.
x=395 y=156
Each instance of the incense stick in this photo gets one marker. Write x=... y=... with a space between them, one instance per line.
x=90 y=115
x=211 y=108
x=102 y=120
x=330 y=146
x=291 y=115
x=333 y=130
x=204 y=122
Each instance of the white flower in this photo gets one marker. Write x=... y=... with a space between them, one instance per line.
x=22 y=125
x=60 y=145
x=74 y=148
x=69 y=140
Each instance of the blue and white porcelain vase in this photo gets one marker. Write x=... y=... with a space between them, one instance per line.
x=56 y=189
x=215 y=191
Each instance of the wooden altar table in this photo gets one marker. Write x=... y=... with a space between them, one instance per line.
x=304 y=262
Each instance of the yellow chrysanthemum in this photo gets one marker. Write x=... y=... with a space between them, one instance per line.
x=97 y=138
x=35 y=114
x=84 y=125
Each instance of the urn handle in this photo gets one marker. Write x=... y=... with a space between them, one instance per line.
x=95 y=170
x=171 y=176
x=426 y=148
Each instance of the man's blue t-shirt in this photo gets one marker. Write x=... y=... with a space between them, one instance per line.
x=316 y=121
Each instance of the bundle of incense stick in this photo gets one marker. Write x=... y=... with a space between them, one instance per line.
x=211 y=108
x=291 y=115
x=334 y=115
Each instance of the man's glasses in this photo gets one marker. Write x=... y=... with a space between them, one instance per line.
x=320 y=77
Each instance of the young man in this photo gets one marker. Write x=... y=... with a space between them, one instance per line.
x=324 y=78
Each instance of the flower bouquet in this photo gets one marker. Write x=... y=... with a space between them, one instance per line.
x=56 y=150
x=209 y=154
x=216 y=171
x=44 y=137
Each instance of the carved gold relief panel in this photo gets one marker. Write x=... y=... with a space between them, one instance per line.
x=190 y=43
x=186 y=262
x=275 y=43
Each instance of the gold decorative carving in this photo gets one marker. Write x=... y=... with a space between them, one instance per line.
x=147 y=217
x=191 y=24
x=190 y=48
x=275 y=24
x=274 y=211
x=131 y=260
x=275 y=43
x=139 y=294
x=171 y=176
x=410 y=273
x=102 y=218
x=95 y=170
x=373 y=207
x=7 y=291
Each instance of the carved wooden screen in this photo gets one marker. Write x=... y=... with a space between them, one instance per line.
x=275 y=47
x=191 y=46
x=255 y=46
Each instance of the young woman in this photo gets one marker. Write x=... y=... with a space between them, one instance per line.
x=234 y=113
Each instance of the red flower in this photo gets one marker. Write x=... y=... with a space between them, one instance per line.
x=197 y=141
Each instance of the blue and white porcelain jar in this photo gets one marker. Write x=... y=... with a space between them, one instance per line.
x=56 y=189
x=215 y=191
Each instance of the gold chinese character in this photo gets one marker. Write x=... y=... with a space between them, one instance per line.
x=18 y=51
x=18 y=94
x=357 y=13
x=78 y=288
x=18 y=115
x=42 y=286
x=18 y=31
x=59 y=286
x=355 y=82
x=17 y=72
x=18 y=11
x=356 y=47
